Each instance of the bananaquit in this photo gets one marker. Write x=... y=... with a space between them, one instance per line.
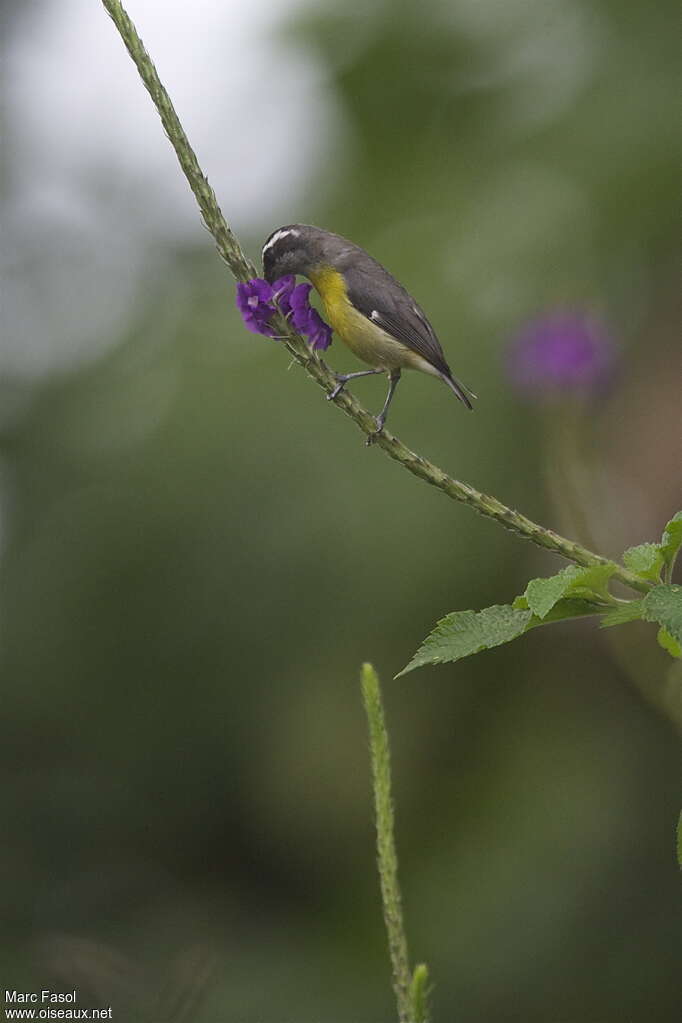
x=367 y=307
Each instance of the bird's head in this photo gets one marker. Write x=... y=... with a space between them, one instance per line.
x=297 y=249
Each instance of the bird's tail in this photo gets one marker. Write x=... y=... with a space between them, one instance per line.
x=461 y=390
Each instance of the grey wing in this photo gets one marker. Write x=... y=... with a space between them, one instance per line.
x=392 y=309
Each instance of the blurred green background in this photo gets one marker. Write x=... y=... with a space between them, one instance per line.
x=197 y=552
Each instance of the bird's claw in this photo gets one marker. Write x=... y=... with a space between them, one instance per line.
x=373 y=437
x=342 y=381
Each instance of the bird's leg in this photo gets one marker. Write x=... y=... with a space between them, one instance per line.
x=393 y=378
x=343 y=379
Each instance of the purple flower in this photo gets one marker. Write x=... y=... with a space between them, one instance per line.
x=254 y=303
x=281 y=292
x=299 y=307
x=307 y=320
x=257 y=301
x=319 y=333
x=564 y=352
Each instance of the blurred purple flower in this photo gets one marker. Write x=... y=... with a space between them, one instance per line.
x=564 y=352
x=257 y=301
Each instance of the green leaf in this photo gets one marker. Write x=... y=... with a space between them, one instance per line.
x=627 y=612
x=671 y=541
x=669 y=643
x=462 y=633
x=663 y=604
x=645 y=560
x=575 y=581
x=542 y=594
x=568 y=607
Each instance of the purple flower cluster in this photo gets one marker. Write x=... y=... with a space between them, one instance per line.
x=254 y=303
x=562 y=352
x=257 y=301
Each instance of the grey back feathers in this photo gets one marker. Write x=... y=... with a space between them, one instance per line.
x=378 y=295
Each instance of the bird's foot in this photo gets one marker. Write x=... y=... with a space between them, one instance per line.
x=373 y=437
x=341 y=383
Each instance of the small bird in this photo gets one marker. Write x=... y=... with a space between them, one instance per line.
x=367 y=307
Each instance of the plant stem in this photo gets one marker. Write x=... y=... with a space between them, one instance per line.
x=410 y=990
x=242 y=269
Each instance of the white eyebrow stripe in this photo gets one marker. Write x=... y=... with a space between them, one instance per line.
x=276 y=237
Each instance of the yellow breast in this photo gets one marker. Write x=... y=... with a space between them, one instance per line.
x=367 y=341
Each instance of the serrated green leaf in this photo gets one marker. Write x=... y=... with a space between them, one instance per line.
x=568 y=607
x=663 y=604
x=628 y=612
x=574 y=581
x=669 y=643
x=542 y=594
x=671 y=541
x=462 y=633
x=645 y=560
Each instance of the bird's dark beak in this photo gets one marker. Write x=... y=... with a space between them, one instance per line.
x=269 y=268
